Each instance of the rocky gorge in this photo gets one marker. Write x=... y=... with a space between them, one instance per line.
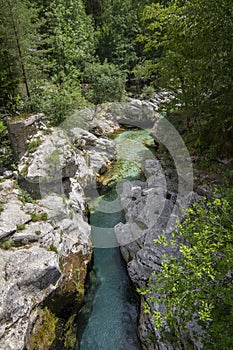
x=45 y=239
x=46 y=246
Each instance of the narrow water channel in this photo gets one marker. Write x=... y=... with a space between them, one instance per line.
x=108 y=320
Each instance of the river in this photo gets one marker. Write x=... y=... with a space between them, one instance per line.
x=109 y=317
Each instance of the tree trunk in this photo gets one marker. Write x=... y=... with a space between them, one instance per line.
x=19 y=52
x=21 y=59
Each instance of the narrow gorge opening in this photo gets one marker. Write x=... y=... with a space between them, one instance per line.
x=109 y=317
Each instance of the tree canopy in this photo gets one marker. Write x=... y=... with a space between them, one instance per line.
x=183 y=46
x=191 y=46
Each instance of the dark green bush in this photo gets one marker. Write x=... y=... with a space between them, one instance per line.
x=106 y=82
x=56 y=101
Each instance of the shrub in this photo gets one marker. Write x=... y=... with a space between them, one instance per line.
x=55 y=101
x=107 y=82
x=148 y=91
x=198 y=283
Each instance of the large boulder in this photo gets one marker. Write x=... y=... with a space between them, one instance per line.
x=47 y=168
x=60 y=157
x=99 y=151
x=45 y=248
x=134 y=113
x=21 y=130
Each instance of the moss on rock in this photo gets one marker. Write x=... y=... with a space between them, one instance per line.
x=44 y=330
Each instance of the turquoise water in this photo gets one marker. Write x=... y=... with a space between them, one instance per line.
x=108 y=320
x=109 y=316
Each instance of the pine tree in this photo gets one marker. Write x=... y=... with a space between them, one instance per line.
x=18 y=37
x=117 y=33
x=70 y=39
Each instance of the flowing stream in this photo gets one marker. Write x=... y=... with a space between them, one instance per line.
x=108 y=319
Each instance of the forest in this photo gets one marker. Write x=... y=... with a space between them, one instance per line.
x=61 y=55
x=68 y=51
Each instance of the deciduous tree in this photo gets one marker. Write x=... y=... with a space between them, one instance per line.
x=190 y=43
x=197 y=285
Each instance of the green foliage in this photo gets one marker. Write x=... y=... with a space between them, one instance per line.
x=46 y=53
x=53 y=248
x=44 y=331
x=19 y=49
x=20 y=227
x=5 y=245
x=116 y=34
x=25 y=197
x=198 y=284
x=39 y=217
x=56 y=101
x=34 y=144
x=148 y=91
x=188 y=45
x=2 y=128
x=70 y=337
x=6 y=155
x=69 y=36
x=107 y=82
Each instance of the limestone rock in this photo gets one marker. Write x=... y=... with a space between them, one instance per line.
x=98 y=150
x=135 y=112
x=21 y=131
x=148 y=209
x=39 y=257
x=45 y=243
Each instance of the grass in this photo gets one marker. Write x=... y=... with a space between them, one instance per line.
x=39 y=217
x=53 y=248
x=20 y=227
x=33 y=145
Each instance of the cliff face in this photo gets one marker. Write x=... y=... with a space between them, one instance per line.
x=45 y=240
x=38 y=243
x=152 y=208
